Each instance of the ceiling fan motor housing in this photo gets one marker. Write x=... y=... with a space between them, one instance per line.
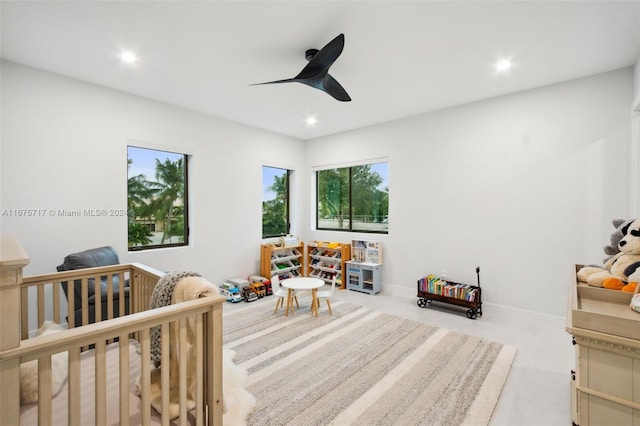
x=310 y=54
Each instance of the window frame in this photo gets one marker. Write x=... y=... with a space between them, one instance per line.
x=350 y=198
x=287 y=210
x=186 y=157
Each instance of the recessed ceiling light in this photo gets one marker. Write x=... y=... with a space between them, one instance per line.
x=311 y=120
x=128 y=57
x=503 y=65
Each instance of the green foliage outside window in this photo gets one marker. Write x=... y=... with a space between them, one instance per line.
x=275 y=202
x=156 y=205
x=353 y=198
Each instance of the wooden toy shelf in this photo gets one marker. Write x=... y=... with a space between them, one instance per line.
x=285 y=261
x=326 y=259
x=466 y=295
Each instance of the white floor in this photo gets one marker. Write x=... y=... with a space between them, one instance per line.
x=537 y=391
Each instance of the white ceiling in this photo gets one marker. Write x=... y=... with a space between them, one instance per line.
x=400 y=58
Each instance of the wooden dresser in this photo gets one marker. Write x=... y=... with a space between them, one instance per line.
x=605 y=385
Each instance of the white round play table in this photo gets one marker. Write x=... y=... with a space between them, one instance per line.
x=302 y=283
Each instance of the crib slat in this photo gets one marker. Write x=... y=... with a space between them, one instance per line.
x=97 y=298
x=44 y=391
x=40 y=299
x=145 y=374
x=134 y=292
x=164 y=372
x=124 y=379
x=133 y=295
x=24 y=316
x=84 y=288
x=199 y=348
x=133 y=298
x=183 y=371
x=109 y=301
x=100 y=383
x=71 y=304
x=56 y=302
x=121 y=300
x=110 y=297
x=73 y=395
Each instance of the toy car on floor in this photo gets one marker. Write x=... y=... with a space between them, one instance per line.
x=253 y=279
x=231 y=293
x=248 y=295
x=258 y=288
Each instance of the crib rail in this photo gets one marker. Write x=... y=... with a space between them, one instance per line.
x=207 y=392
x=48 y=300
x=47 y=291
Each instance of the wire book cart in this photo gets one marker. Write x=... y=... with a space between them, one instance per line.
x=432 y=288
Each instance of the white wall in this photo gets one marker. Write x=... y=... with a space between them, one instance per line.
x=523 y=186
x=64 y=146
x=634 y=196
x=636 y=80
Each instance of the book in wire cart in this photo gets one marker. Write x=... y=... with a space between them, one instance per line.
x=432 y=288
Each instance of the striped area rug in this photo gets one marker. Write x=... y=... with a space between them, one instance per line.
x=363 y=367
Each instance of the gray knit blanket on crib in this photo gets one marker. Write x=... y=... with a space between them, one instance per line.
x=160 y=297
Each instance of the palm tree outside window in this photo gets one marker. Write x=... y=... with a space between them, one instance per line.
x=275 y=201
x=157 y=192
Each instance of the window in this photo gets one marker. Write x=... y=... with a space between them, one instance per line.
x=156 y=198
x=275 y=201
x=353 y=198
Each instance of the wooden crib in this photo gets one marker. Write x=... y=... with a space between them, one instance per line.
x=98 y=340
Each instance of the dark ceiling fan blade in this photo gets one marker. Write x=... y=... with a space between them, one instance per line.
x=328 y=85
x=316 y=73
x=322 y=61
x=286 y=80
x=332 y=87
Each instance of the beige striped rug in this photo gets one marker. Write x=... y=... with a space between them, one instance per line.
x=363 y=367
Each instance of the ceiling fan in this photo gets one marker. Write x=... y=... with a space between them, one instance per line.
x=316 y=73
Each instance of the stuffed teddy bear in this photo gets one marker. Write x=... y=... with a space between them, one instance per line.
x=612 y=249
x=619 y=266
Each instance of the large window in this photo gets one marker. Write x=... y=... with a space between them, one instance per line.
x=156 y=198
x=275 y=201
x=353 y=198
